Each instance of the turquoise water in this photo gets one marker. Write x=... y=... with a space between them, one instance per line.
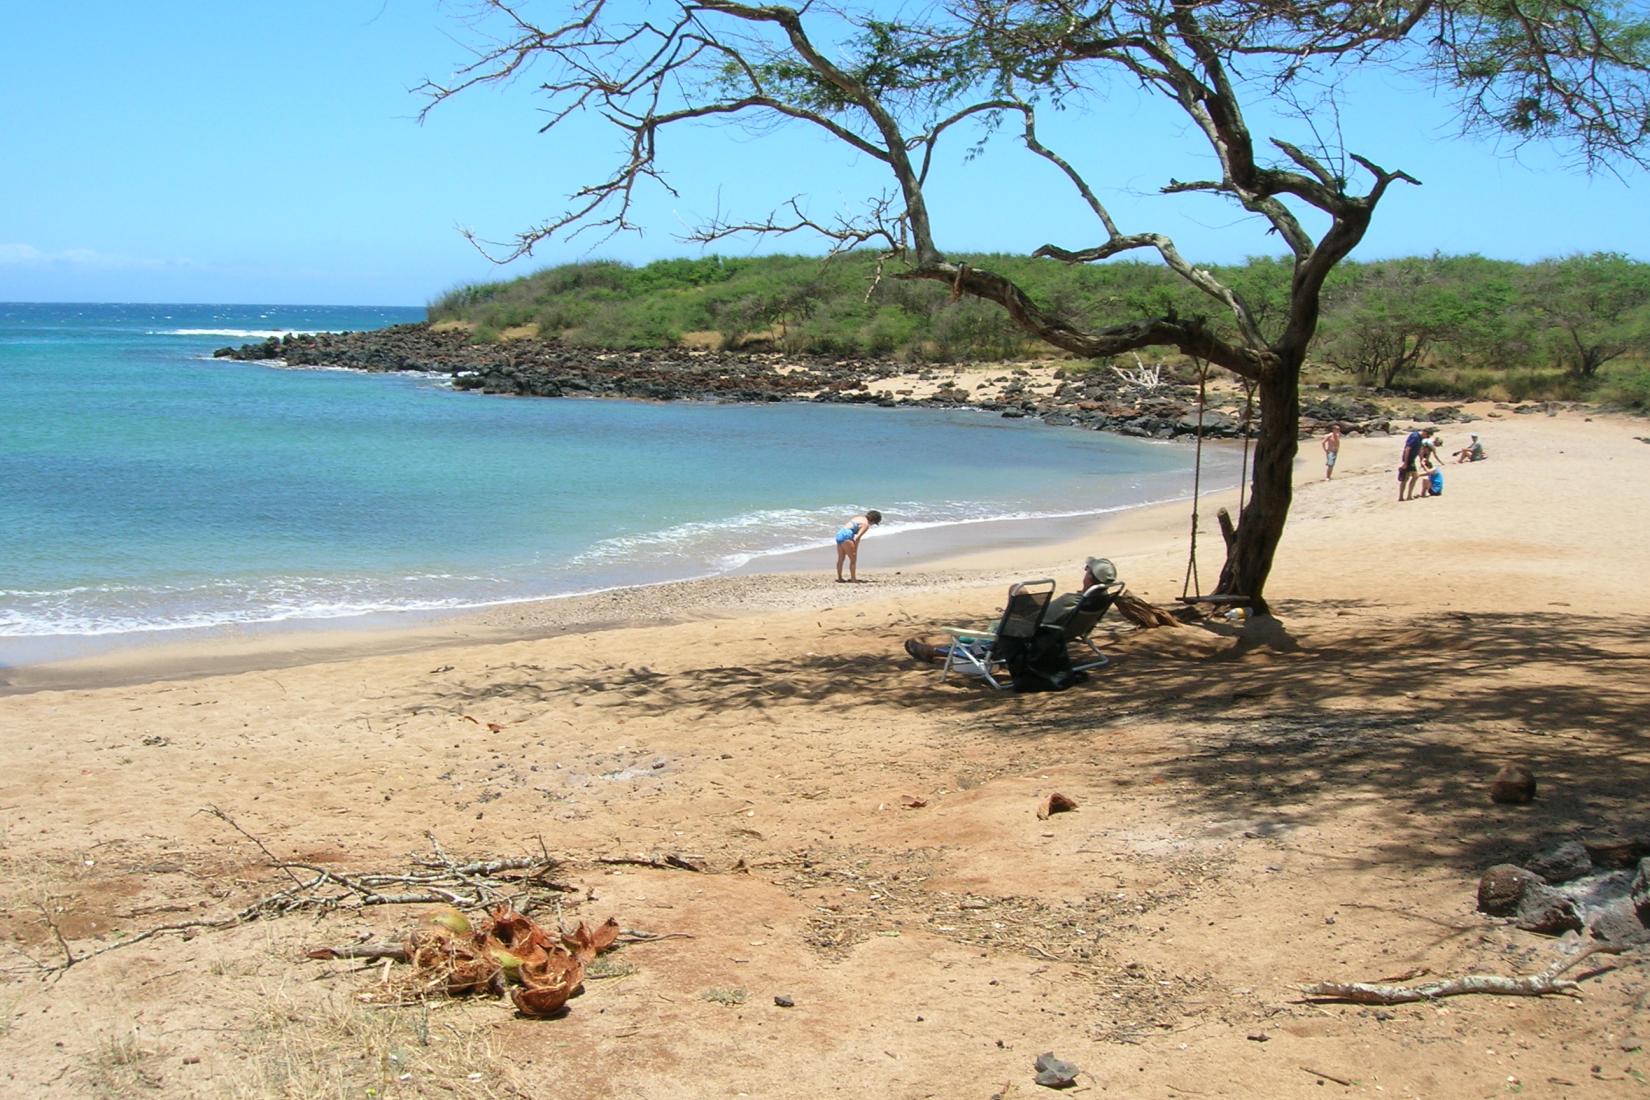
x=149 y=487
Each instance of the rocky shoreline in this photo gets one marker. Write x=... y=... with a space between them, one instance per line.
x=1094 y=399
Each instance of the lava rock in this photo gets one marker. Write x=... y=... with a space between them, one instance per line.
x=1502 y=886
x=1543 y=909
x=1638 y=892
x=1616 y=850
x=1054 y=1073
x=1567 y=861
x=1513 y=784
x=1617 y=923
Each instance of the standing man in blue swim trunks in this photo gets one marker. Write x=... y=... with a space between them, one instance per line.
x=1331 y=450
x=847 y=542
x=1409 y=465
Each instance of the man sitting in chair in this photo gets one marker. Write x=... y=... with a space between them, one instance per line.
x=1060 y=609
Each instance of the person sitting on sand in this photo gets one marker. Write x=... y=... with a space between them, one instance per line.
x=847 y=542
x=1059 y=609
x=1331 y=450
x=1473 y=452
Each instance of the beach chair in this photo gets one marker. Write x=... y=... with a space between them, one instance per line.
x=975 y=652
x=1078 y=626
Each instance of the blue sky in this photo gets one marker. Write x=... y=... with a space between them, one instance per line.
x=227 y=152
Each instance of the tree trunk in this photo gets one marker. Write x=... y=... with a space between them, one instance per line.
x=1260 y=527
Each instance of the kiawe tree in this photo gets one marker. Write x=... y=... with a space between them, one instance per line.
x=1596 y=308
x=894 y=83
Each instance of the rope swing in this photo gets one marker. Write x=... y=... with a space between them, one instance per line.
x=1191 y=589
x=1191 y=585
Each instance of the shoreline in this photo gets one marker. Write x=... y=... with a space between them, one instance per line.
x=893 y=563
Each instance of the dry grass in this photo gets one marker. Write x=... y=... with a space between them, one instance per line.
x=122 y=1064
x=704 y=340
x=729 y=997
x=529 y=331
x=610 y=966
x=308 y=1043
x=453 y=326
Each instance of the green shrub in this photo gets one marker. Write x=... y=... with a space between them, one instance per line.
x=1494 y=322
x=1628 y=385
x=1542 y=385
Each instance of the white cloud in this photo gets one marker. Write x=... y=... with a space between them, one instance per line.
x=19 y=253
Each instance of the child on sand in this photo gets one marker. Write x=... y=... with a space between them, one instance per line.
x=847 y=542
x=1331 y=450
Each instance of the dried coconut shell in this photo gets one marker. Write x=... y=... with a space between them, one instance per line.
x=586 y=942
x=546 y=988
x=454 y=963
x=518 y=935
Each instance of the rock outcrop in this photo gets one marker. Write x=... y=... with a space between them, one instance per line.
x=1090 y=399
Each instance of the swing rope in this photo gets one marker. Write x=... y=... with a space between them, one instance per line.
x=1191 y=584
x=1248 y=416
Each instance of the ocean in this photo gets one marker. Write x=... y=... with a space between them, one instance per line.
x=146 y=487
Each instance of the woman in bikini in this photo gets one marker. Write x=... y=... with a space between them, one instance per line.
x=847 y=542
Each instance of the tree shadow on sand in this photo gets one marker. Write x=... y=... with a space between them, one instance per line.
x=1411 y=714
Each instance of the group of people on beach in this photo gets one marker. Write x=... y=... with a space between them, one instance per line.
x=1422 y=458
x=1418 y=469
x=1419 y=466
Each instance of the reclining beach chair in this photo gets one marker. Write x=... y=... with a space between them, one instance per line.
x=1079 y=625
x=976 y=652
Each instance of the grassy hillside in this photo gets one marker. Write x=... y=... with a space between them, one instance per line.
x=1573 y=328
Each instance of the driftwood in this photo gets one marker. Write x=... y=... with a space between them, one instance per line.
x=1141 y=613
x=1532 y=985
x=1144 y=377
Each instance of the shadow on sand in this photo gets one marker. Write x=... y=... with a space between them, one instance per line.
x=1413 y=715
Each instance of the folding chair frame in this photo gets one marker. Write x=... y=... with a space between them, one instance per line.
x=973 y=652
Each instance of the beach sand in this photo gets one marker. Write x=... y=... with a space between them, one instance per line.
x=1259 y=807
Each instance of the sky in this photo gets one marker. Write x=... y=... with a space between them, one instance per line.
x=271 y=153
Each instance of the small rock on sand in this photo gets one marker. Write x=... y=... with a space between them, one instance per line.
x=1054 y=1073
x=1513 y=784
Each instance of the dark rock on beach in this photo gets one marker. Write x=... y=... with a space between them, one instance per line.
x=1093 y=399
x=1561 y=863
x=1512 y=784
x=1547 y=911
x=1502 y=886
x=1617 y=849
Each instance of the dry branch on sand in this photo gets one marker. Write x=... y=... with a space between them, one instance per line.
x=436 y=879
x=1531 y=985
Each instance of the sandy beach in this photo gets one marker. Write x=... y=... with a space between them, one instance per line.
x=751 y=769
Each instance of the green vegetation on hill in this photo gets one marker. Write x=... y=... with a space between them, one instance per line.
x=1449 y=326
